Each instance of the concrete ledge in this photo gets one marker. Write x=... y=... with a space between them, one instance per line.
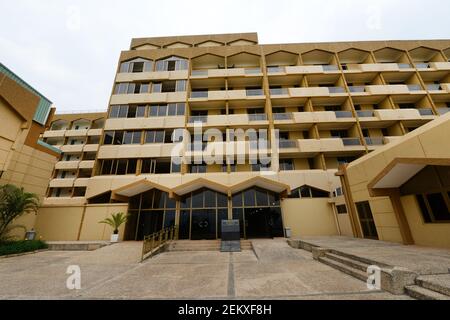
x=76 y=245
x=319 y=252
x=395 y=280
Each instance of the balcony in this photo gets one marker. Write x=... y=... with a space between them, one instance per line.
x=426 y=112
x=144 y=98
x=443 y=111
x=257 y=117
x=76 y=133
x=282 y=116
x=197 y=96
x=54 y=133
x=144 y=123
x=343 y=114
x=202 y=119
x=254 y=92
x=86 y=164
x=288 y=144
x=223 y=73
x=376 y=67
x=434 y=87
x=376 y=141
x=365 y=113
x=351 y=142
x=75 y=148
x=154 y=75
x=67 y=165
x=422 y=65
x=330 y=145
x=271 y=70
x=61 y=183
x=94 y=132
x=357 y=89
x=394 y=89
x=279 y=91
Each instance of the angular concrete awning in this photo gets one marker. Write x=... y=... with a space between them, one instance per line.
x=257 y=181
x=401 y=170
x=139 y=187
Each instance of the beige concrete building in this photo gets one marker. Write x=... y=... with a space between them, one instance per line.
x=328 y=104
x=24 y=160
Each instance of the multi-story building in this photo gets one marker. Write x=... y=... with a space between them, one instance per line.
x=25 y=161
x=328 y=104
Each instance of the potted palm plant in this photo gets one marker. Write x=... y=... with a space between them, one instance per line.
x=115 y=221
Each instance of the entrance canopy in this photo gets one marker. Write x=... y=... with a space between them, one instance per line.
x=138 y=187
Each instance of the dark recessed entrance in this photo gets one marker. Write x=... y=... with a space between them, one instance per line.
x=259 y=213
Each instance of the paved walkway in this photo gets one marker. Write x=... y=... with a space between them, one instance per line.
x=422 y=260
x=273 y=270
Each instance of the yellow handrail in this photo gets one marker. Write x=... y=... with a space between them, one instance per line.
x=157 y=239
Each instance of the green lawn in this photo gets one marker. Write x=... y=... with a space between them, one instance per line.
x=13 y=247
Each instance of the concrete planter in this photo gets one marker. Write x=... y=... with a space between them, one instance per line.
x=115 y=238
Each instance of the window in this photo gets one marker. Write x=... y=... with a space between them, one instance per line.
x=341 y=209
x=152 y=166
x=198 y=168
x=434 y=207
x=366 y=220
x=131 y=88
x=172 y=64
x=155 y=136
x=169 y=86
x=132 y=137
x=118 y=166
x=108 y=137
x=121 y=88
x=137 y=65
x=286 y=164
x=308 y=192
x=125 y=111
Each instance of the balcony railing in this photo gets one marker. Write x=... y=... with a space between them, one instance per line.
x=414 y=87
x=357 y=89
x=202 y=119
x=257 y=117
x=282 y=116
x=287 y=144
x=343 y=114
x=330 y=67
x=443 y=110
x=351 y=141
x=434 y=87
x=199 y=73
x=365 y=113
x=199 y=94
x=275 y=69
x=279 y=91
x=336 y=89
x=426 y=112
x=422 y=65
x=376 y=141
x=252 y=70
x=404 y=66
x=254 y=92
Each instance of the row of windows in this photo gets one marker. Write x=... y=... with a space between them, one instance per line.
x=284 y=165
x=308 y=192
x=143 y=65
x=140 y=111
x=135 y=137
x=131 y=166
x=147 y=87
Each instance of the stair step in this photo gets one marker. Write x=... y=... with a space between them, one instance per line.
x=421 y=293
x=348 y=261
x=344 y=268
x=437 y=283
x=359 y=259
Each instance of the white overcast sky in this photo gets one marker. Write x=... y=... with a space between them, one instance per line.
x=68 y=49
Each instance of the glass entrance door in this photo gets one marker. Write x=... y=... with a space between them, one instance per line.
x=203 y=224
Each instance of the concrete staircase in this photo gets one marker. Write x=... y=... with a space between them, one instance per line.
x=430 y=287
x=350 y=265
x=203 y=245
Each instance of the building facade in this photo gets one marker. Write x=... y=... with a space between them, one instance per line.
x=314 y=107
x=25 y=161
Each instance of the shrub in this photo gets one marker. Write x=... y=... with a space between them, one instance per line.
x=13 y=247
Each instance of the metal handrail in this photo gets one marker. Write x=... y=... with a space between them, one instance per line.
x=155 y=240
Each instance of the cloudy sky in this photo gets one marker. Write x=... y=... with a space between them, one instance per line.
x=68 y=49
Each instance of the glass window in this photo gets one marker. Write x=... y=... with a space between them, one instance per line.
x=156 y=87
x=148 y=66
x=132 y=164
x=137 y=67
x=197 y=199
x=108 y=137
x=123 y=111
x=145 y=87
x=162 y=167
x=118 y=137
x=127 y=137
x=121 y=88
x=131 y=112
x=438 y=206
x=286 y=164
x=124 y=67
x=132 y=88
x=136 y=137
x=121 y=166
x=162 y=111
x=249 y=198
x=176 y=168
x=150 y=137
x=181 y=85
x=153 y=111
x=147 y=166
x=180 y=109
x=159 y=136
x=140 y=111
x=114 y=112
x=210 y=199
x=106 y=166
x=261 y=198
x=172 y=110
x=237 y=200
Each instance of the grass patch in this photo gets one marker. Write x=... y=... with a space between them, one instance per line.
x=13 y=247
